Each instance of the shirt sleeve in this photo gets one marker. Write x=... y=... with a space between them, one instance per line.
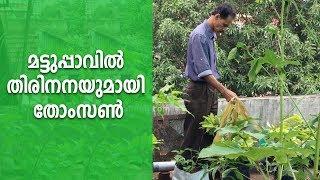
x=200 y=59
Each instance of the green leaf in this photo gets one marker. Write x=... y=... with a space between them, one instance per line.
x=255 y=68
x=218 y=150
x=255 y=135
x=228 y=130
x=256 y=154
x=232 y=53
x=271 y=58
x=166 y=88
x=176 y=93
x=227 y=174
x=303 y=151
x=241 y=45
x=282 y=64
x=213 y=171
x=210 y=123
x=301 y=175
x=272 y=29
x=155 y=141
x=281 y=157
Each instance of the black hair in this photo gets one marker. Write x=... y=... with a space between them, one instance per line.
x=225 y=10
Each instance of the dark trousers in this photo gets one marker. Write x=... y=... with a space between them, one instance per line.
x=201 y=100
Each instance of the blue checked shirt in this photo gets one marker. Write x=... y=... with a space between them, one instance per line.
x=201 y=54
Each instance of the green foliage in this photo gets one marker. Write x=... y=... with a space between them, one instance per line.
x=241 y=44
x=232 y=53
x=188 y=165
x=166 y=73
x=219 y=150
x=269 y=58
x=166 y=97
x=294 y=129
x=173 y=21
x=74 y=149
x=156 y=142
x=297 y=148
x=280 y=58
x=210 y=123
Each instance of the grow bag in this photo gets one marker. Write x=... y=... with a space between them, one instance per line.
x=179 y=174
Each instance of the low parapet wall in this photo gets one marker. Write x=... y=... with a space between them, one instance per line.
x=266 y=109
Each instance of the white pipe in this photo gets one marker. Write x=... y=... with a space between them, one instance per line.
x=163 y=166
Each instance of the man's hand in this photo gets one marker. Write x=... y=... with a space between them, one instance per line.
x=228 y=94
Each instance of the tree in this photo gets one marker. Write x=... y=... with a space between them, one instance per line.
x=254 y=33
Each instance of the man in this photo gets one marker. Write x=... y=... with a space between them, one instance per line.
x=201 y=93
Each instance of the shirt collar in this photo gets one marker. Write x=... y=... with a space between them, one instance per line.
x=209 y=32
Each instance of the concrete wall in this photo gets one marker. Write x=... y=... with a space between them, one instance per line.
x=267 y=109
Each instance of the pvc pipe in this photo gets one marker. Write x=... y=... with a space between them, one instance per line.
x=163 y=166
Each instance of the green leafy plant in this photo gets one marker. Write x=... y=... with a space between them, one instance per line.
x=255 y=27
x=210 y=123
x=188 y=165
x=278 y=63
x=261 y=149
x=278 y=44
x=156 y=142
x=166 y=97
x=317 y=149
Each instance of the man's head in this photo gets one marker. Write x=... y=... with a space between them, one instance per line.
x=221 y=17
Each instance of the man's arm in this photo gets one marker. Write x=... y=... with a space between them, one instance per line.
x=226 y=93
